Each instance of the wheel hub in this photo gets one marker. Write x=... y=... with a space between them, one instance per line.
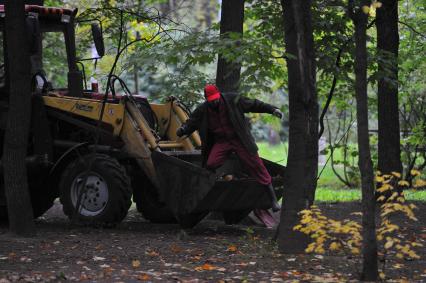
x=92 y=197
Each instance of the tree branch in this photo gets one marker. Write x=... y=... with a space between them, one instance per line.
x=412 y=28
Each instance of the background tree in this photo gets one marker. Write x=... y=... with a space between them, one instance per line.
x=302 y=164
x=389 y=152
x=18 y=122
x=231 y=25
x=369 y=242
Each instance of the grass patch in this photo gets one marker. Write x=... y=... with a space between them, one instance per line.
x=275 y=153
x=346 y=195
x=278 y=154
x=415 y=195
x=330 y=189
x=337 y=195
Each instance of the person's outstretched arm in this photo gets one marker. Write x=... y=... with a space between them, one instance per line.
x=193 y=122
x=256 y=106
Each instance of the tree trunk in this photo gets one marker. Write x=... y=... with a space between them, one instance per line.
x=369 y=243
x=387 y=104
x=302 y=164
x=18 y=122
x=231 y=20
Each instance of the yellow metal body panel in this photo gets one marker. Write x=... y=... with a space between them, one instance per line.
x=170 y=117
x=89 y=108
x=131 y=127
x=137 y=145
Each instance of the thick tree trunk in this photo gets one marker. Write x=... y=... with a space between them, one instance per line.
x=16 y=137
x=369 y=243
x=387 y=104
x=302 y=164
x=232 y=19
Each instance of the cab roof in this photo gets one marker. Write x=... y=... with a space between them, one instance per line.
x=42 y=11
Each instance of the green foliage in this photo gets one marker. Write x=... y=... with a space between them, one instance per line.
x=412 y=83
x=173 y=57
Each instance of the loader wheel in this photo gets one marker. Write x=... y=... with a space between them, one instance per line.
x=104 y=199
x=147 y=202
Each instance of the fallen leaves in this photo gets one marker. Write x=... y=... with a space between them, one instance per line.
x=232 y=248
x=25 y=259
x=136 y=263
x=98 y=258
x=143 y=277
x=209 y=267
x=176 y=249
x=152 y=253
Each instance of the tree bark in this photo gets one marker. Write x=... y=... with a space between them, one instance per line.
x=302 y=164
x=231 y=20
x=18 y=122
x=387 y=103
x=369 y=243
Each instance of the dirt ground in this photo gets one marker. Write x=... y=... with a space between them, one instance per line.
x=211 y=252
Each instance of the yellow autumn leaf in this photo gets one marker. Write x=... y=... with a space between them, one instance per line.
x=415 y=172
x=319 y=250
x=403 y=183
x=396 y=174
x=419 y=183
x=297 y=227
x=384 y=188
x=366 y=9
x=136 y=263
x=379 y=179
x=413 y=255
x=412 y=206
x=377 y=4
x=334 y=246
x=381 y=198
x=355 y=251
x=388 y=245
x=382 y=275
x=232 y=248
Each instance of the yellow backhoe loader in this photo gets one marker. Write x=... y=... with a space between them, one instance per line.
x=95 y=153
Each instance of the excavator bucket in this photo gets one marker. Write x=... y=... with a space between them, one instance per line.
x=191 y=192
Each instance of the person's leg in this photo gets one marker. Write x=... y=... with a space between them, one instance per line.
x=257 y=170
x=253 y=163
x=218 y=155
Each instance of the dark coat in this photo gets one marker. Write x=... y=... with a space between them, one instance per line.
x=236 y=105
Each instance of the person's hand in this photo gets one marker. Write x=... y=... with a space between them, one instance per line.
x=278 y=113
x=179 y=132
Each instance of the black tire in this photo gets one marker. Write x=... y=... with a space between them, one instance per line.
x=147 y=201
x=107 y=195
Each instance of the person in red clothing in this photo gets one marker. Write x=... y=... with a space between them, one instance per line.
x=223 y=129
